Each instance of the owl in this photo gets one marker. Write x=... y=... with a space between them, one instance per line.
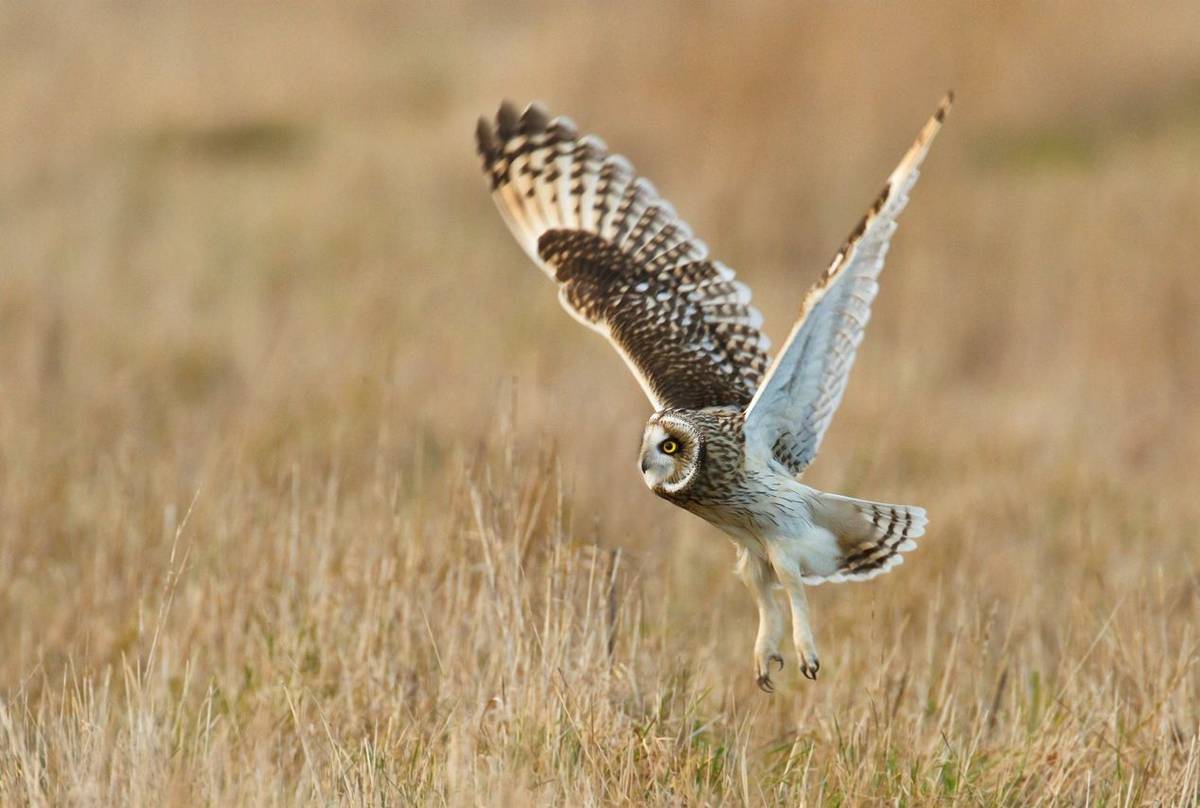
x=733 y=429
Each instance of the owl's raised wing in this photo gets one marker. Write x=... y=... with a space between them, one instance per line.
x=803 y=387
x=625 y=264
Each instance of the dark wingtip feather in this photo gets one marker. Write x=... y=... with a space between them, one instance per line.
x=944 y=107
x=534 y=119
x=507 y=119
x=485 y=139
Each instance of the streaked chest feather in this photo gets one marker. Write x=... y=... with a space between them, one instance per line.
x=745 y=497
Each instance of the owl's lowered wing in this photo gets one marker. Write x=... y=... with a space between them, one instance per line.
x=803 y=387
x=625 y=264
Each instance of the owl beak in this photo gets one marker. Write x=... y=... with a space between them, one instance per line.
x=645 y=465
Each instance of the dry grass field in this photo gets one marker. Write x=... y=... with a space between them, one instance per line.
x=310 y=492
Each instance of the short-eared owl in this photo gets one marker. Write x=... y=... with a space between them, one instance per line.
x=733 y=430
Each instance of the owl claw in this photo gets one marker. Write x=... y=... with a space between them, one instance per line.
x=810 y=667
x=764 y=677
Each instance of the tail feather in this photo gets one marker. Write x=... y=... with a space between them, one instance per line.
x=870 y=535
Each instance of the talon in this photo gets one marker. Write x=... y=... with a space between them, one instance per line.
x=765 y=684
x=776 y=658
x=809 y=669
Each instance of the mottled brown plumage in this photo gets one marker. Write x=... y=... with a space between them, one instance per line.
x=626 y=265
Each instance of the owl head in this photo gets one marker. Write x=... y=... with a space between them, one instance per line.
x=672 y=453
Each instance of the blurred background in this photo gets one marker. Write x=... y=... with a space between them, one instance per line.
x=248 y=262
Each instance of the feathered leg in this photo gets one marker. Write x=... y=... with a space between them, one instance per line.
x=756 y=573
x=802 y=637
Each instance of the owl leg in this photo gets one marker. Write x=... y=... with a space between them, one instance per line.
x=756 y=573
x=802 y=636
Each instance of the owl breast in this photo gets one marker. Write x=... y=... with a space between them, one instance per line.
x=747 y=500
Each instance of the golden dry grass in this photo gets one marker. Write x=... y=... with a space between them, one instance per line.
x=310 y=493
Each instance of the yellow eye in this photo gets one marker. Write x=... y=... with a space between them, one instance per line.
x=669 y=446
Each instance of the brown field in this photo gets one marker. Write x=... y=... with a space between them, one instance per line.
x=310 y=492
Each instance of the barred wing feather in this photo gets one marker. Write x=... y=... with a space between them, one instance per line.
x=792 y=408
x=626 y=265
